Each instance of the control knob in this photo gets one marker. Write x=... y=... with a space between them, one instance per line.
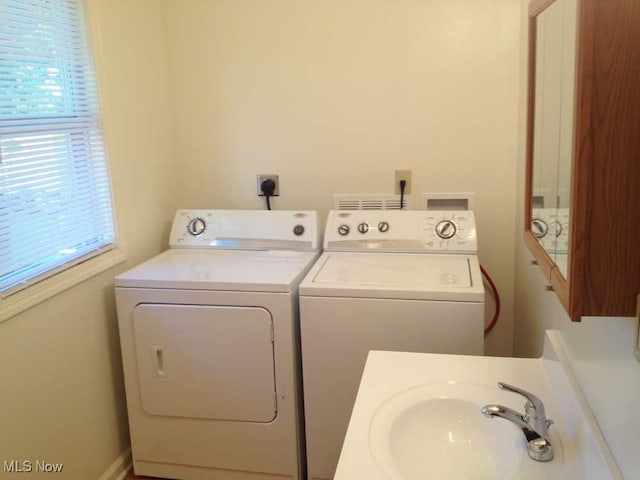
x=539 y=228
x=383 y=227
x=446 y=229
x=343 y=229
x=363 y=227
x=196 y=226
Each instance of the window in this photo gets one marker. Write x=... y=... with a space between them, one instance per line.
x=55 y=196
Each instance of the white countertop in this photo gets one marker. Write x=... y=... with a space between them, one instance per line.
x=584 y=452
x=600 y=353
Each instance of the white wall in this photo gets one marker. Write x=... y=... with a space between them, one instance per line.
x=536 y=309
x=139 y=121
x=62 y=395
x=335 y=95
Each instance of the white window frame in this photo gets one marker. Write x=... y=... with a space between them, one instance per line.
x=63 y=277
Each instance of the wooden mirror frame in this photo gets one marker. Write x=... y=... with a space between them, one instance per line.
x=604 y=236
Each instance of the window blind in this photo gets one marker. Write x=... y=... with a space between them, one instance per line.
x=55 y=195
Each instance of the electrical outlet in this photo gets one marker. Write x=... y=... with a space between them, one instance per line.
x=406 y=176
x=262 y=178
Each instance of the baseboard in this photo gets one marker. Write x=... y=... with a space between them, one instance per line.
x=119 y=469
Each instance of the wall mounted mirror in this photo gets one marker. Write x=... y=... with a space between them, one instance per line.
x=551 y=147
x=582 y=204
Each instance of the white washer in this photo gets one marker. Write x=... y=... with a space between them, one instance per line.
x=209 y=332
x=387 y=280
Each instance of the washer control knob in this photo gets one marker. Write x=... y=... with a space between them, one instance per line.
x=446 y=229
x=196 y=226
x=539 y=228
x=363 y=227
x=298 y=230
x=383 y=227
x=343 y=229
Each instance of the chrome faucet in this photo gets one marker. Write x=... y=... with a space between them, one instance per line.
x=534 y=424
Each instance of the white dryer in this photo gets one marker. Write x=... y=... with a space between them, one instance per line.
x=209 y=332
x=387 y=280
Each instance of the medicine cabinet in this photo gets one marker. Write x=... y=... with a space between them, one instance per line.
x=582 y=218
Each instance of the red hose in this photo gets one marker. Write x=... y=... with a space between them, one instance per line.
x=496 y=298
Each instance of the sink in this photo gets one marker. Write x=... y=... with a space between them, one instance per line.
x=438 y=430
x=417 y=416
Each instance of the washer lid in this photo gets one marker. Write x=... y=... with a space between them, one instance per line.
x=395 y=275
x=196 y=269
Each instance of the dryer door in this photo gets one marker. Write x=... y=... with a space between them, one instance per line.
x=201 y=361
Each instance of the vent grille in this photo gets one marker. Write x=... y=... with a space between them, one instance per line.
x=369 y=202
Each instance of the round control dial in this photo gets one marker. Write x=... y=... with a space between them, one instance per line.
x=298 y=230
x=446 y=229
x=196 y=226
x=539 y=228
x=383 y=227
x=343 y=229
x=363 y=227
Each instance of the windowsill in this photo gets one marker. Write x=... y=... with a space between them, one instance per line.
x=41 y=291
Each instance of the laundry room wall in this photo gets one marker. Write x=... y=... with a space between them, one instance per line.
x=335 y=95
x=62 y=390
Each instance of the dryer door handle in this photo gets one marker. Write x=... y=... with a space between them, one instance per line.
x=157 y=352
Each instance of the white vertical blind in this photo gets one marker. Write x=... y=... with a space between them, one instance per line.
x=55 y=196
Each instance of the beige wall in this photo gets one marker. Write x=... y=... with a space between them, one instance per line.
x=335 y=95
x=62 y=392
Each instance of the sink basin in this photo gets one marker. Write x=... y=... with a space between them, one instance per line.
x=437 y=431
x=417 y=417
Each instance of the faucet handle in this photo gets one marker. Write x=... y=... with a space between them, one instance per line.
x=534 y=407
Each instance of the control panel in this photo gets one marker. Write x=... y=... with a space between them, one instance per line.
x=245 y=229
x=401 y=231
